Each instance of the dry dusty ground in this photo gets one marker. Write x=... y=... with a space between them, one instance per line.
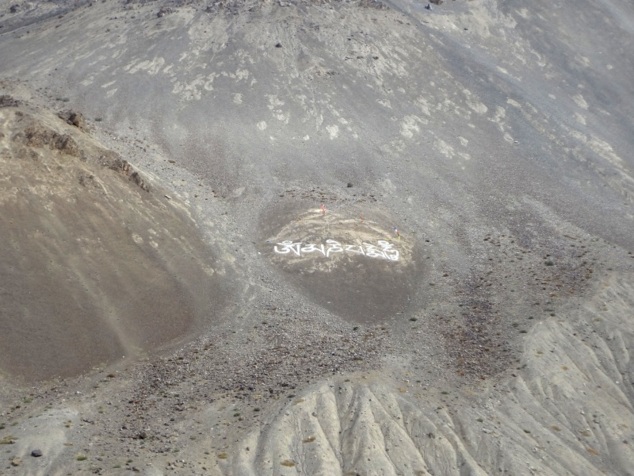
x=462 y=303
x=96 y=265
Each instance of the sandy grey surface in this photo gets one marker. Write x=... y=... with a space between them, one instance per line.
x=473 y=162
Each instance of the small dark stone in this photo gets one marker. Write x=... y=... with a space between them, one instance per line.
x=8 y=101
x=349 y=184
x=163 y=11
x=36 y=453
x=73 y=118
x=278 y=45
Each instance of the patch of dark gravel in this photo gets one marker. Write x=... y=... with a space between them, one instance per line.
x=269 y=360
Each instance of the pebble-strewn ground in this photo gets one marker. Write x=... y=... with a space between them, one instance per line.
x=154 y=154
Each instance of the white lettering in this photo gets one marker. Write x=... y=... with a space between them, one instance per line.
x=288 y=246
x=382 y=250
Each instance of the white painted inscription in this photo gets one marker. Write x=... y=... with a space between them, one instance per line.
x=382 y=250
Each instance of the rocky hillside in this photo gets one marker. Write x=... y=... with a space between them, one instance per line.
x=97 y=265
x=329 y=237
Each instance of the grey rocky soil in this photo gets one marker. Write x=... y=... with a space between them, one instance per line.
x=348 y=237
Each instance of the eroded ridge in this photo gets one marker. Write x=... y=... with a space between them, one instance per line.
x=95 y=264
x=567 y=410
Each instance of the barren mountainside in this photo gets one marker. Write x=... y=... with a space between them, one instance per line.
x=316 y=237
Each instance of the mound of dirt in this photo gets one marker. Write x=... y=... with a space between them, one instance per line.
x=95 y=267
x=351 y=265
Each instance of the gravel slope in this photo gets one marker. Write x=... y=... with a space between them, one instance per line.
x=494 y=137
